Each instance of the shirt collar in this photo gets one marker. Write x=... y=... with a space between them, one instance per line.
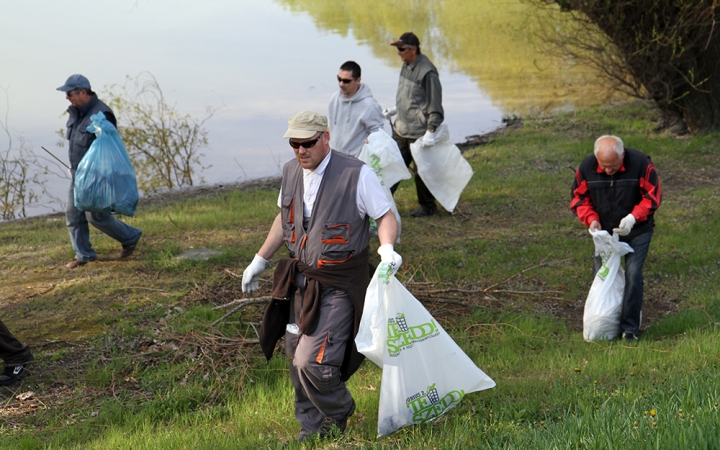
x=320 y=169
x=83 y=110
x=621 y=169
x=412 y=65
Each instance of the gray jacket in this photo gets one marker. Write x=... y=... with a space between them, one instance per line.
x=418 y=99
x=79 y=138
x=353 y=119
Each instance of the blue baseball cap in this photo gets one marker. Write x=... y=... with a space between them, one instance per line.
x=76 y=81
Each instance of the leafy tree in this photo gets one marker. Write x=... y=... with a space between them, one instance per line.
x=163 y=144
x=666 y=51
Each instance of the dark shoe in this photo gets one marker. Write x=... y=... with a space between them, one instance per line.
x=630 y=337
x=424 y=211
x=127 y=250
x=330 y=426
x=75 y=263
x=12 y=374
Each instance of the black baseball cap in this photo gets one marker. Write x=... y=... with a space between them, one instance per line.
x=408 y=38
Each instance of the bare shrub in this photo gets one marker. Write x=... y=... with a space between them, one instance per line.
x=22 y=174
x=163 y=144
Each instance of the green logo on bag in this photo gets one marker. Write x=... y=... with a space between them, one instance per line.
x=428 y=405
x=375 y=166
x=373 y=224
x=401 y=336
x=604 y=270
x=385 y=272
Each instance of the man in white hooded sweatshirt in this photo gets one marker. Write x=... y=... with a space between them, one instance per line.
x=353 y=112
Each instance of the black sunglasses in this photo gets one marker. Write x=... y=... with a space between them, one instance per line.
x=402 y=49
x=305 y=144
x=345 y=80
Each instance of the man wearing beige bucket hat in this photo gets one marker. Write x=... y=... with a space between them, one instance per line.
x=326 y=200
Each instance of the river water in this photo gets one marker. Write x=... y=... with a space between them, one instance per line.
x=260 y=61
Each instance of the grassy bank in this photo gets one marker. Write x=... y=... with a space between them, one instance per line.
x=137 y=354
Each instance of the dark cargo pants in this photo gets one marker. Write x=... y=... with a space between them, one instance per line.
x=425 y=197
x=12 y=351
x=316 y=359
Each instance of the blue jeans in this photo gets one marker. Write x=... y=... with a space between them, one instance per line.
x=77 y=223
x=633 y=296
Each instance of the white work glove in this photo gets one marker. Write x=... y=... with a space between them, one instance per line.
x=625 y=225
x=390 y=261
x=251 y=276
x=429 y=139
x=389 y=112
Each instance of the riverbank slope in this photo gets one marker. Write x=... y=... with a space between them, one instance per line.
x=141 y=353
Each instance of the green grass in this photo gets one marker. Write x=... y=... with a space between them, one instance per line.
x=127 y=356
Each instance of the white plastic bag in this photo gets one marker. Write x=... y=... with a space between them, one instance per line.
x=601 y=319
x=424 y=372
x=383 y=156
x=442 y=168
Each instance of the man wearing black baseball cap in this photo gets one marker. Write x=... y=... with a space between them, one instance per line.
x=83 y=104
x=419 y=91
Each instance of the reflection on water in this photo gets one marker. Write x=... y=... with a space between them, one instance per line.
x=260 y=61
x=491 y=41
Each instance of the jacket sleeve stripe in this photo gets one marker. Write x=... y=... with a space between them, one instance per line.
x=651 y=195
x=581 y=205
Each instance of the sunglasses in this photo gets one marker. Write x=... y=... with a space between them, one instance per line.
x=305 y=144
x=73 y=92
x=345 y=80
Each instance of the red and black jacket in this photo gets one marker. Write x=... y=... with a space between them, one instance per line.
x=635 y=188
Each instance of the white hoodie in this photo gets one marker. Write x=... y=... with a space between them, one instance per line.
x=353 y=119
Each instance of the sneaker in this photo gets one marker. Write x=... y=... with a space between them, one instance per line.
x=424 y=211
x=11 y=374
x=75 y=263
x=630 y=337
x=127 y=250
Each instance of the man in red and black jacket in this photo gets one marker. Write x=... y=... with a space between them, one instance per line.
x=617 y=190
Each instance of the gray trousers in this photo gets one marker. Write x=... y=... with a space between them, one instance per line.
x=316 y=359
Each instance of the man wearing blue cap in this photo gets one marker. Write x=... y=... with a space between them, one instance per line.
x=83 y=104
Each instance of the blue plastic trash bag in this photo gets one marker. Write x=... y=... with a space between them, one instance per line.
x=105 y=179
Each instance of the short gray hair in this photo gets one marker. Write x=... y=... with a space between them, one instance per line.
x=619 y=147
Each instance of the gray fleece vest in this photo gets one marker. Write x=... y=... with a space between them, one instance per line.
x=411 y=99
x=335 y=232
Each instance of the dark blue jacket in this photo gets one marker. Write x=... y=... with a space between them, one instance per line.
x=79 y=139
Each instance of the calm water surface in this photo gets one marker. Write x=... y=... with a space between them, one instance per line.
x=260 y=61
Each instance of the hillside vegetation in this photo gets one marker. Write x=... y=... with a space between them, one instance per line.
x=143 y=354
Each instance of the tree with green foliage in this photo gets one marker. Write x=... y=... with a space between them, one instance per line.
x=163 y=144
x=666 y=51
